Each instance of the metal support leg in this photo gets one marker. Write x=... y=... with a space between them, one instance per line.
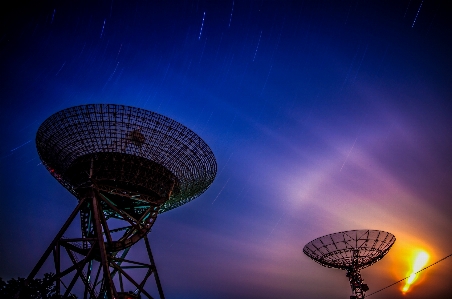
x=108 y=282
x=54 y=242
x=156 y=275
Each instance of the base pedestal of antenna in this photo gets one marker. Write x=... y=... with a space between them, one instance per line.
x=356 y=284
x=354 y=276
x=94 y=262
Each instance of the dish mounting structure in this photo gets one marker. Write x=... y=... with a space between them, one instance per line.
x=125 y=165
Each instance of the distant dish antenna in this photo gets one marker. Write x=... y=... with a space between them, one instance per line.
x=125 y=166
x=351 y=251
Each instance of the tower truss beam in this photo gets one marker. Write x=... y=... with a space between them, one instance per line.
x=110 y=265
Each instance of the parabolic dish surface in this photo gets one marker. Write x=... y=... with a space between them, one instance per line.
x=107 y=128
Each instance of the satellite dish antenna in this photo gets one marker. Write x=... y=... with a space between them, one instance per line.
x=351 y=251
x=125 y=166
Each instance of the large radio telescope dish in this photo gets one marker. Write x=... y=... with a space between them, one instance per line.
x=351 y=251
x=125 y=165
x=68 y=140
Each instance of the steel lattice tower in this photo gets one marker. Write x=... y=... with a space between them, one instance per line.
x=351 y=251
x=125 y=166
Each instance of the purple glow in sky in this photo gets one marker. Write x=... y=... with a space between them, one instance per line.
x=324 y=116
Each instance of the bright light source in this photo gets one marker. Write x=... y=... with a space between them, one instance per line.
x=419 y=263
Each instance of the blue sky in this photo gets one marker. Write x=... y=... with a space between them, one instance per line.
x=324 y=116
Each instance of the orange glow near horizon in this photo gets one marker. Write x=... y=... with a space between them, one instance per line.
x=420 y=261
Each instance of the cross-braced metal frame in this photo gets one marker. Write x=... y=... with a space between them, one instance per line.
x=125 y=166
x=94 y=260
x=351 y=251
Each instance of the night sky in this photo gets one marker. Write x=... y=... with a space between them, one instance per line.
x=324 y=116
